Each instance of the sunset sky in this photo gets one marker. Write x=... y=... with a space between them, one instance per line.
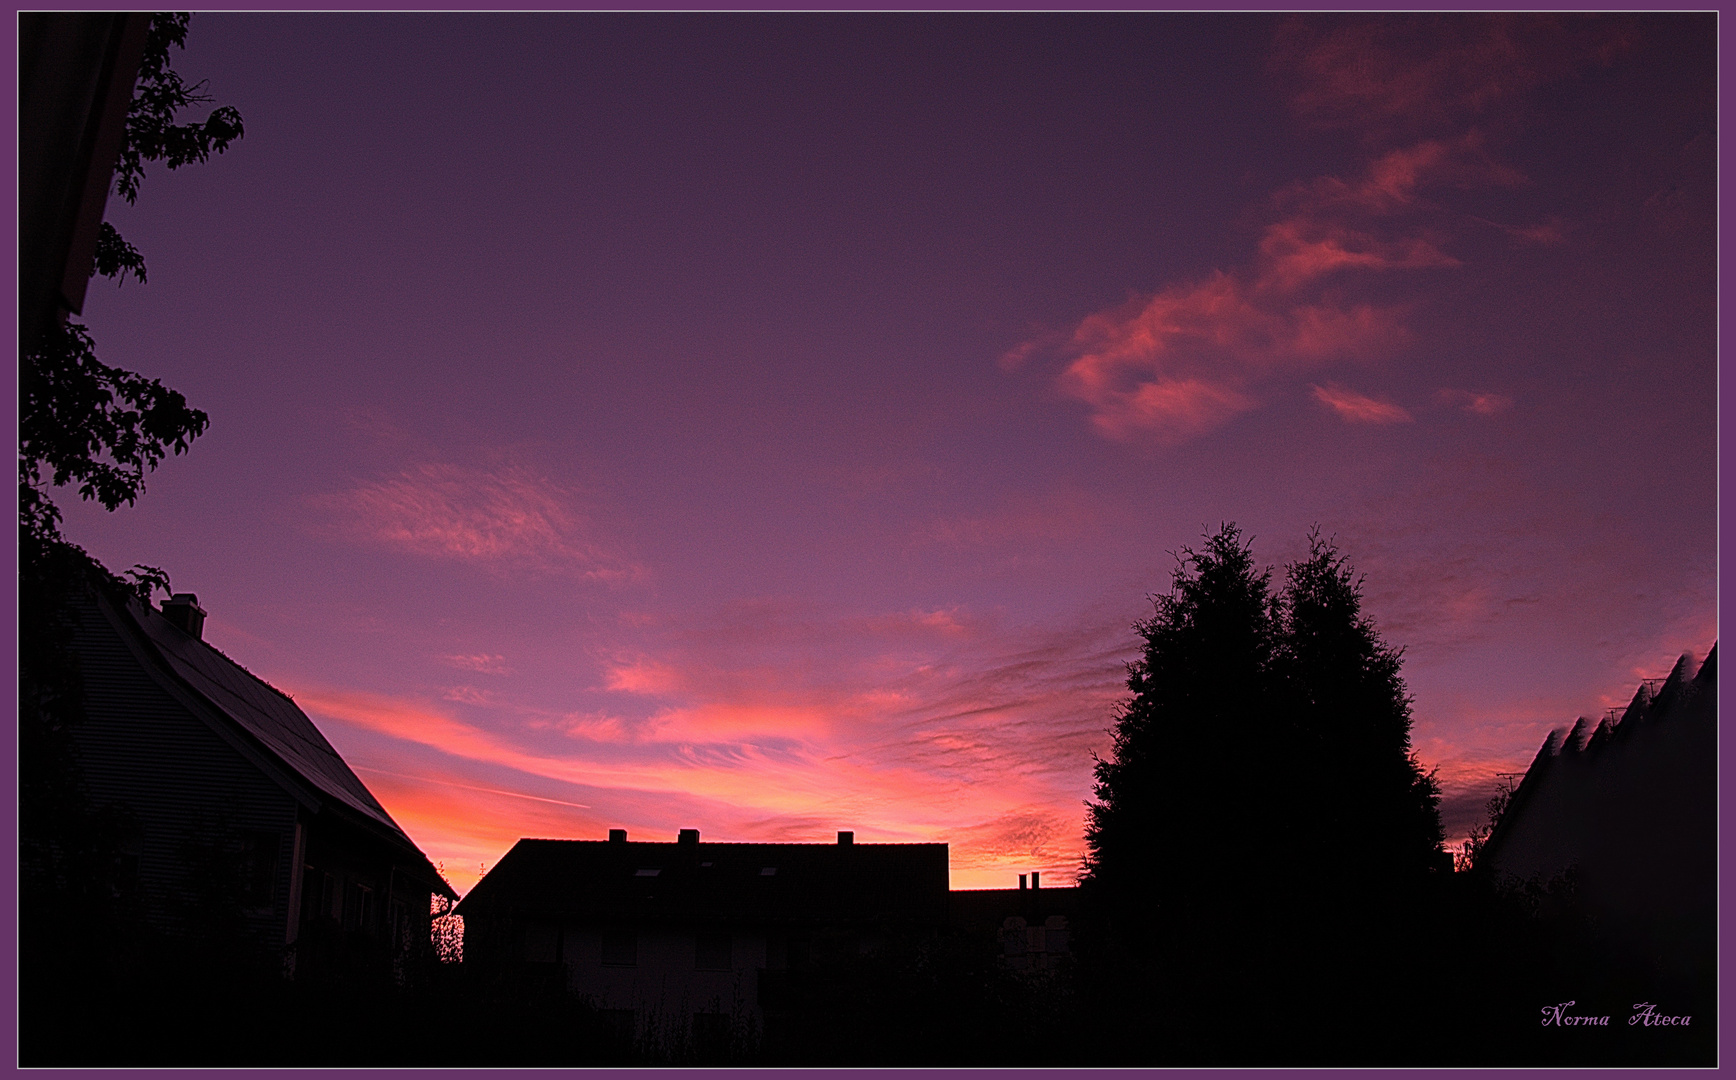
x=773 y=425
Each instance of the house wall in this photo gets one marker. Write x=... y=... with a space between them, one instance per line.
x=359 y=905
x=207 y=819
x=663 y=988
x=665 y=979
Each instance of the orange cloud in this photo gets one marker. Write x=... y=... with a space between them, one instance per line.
x=641 y=675
x=464 y=826
x=499 y=517
x=1358 y=408
x=936 y=731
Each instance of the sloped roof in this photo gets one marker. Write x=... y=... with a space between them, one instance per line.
x=267 y=715
x=1621 y=793
x=604 y=879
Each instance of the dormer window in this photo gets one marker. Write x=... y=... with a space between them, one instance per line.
x=768 y=871
x=648 y=872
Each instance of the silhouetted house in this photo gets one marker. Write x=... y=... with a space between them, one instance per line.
x=243 y=819
x=697 y=939
x=1630 y=805
x=1032 y=926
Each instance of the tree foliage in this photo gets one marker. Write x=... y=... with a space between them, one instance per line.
x=101 y=428
x=1260 y=825
x=1267 y=737
x=159 y=94
x=82 y=422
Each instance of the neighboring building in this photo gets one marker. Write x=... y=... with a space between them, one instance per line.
x=694 y=939
x=1630 y=805
x=239 y=809
x=1032 y=925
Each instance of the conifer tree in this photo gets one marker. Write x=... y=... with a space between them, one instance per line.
x=1341 y=687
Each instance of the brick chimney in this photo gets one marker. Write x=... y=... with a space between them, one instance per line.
x=688 y=836
x=845 y=839
x=184 y=612
x=617 y=836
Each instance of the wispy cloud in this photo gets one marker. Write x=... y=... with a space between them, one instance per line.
x=501 y=517
x=1175 y=364
x=1360 y=408
x=1480 y=404
x=913 y=725
x=1386 y=75
x=483 y=663
x=1182 y=362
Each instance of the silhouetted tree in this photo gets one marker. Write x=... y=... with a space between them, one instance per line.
x=80 y=421
x=1339 y=685
x=159 y=94
x=1260 y=817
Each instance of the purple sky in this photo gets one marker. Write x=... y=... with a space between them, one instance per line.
x=774 y=424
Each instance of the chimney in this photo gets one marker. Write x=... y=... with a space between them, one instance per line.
x=845 y=839
x=1021 y=883
x=688 y=836
x=1034 y=876
x=184 y=612
x=617 y=836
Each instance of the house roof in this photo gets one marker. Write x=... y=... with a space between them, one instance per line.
x=1621 y=781
x=978 y=908
x=269 y=717
x=606 y=879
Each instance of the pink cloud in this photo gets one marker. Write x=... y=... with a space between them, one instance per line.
x=1547 y=233
x=501 y=517
x=1359 y=408
x=640 y=675
x=1184 y=361
x=1181 y=362
x=1296 y=252
x=1383 y=72
x=1023 y=520
x=483 y=663
x=928 y=724
x=1481 y=404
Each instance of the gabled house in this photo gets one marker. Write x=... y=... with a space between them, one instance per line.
x=697 y=940
x=238 y=808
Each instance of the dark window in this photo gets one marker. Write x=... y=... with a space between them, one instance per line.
x=712 y=951
x=358 y=911
x=398 y=916
x=329 y=897
x=620 y=948
x=258 y=868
